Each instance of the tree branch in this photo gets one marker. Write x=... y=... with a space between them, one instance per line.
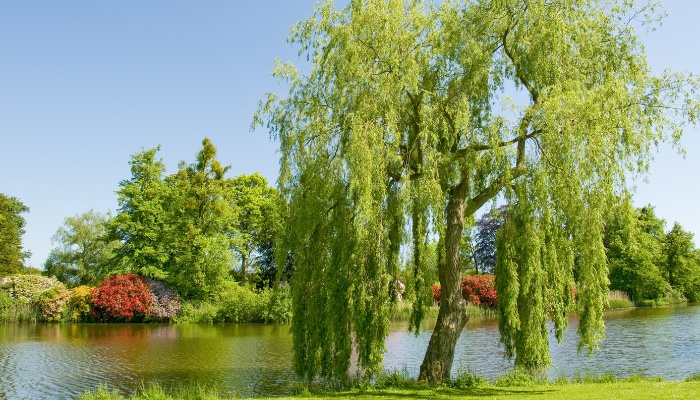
x=482 y=147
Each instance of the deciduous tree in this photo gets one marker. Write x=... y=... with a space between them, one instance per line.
x=405 y=119
x=82 y=250
x=485 y=239
x=143 y=221
x=260 y=212
x=11 y=231
x=681 y=267
x=202 y=220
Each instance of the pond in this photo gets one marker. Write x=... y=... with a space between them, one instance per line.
x=62 y=361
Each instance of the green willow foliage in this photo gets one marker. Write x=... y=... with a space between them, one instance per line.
x=403 y=128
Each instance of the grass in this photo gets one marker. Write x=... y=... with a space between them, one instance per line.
x=632 y=389
x=20 y=312
x=662 y=302
x=618 y=299
x=403 y=310
x=156 y=392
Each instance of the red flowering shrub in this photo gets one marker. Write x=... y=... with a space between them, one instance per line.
x=477 y=289
x=480 y=289
x=436 y=293
x=121 y=298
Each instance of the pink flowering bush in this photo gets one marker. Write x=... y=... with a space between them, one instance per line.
x=165 y=302
x=53 y=306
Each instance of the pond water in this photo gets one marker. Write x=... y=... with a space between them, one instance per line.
x=62 y=361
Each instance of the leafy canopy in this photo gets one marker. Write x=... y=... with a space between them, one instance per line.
x=83 y=251
x=176 y=228
x=405 y=119
x=11 y=231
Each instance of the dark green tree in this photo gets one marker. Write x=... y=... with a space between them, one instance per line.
x=486 y=228
x=681 y=267
x=260 y=212
x=143 y=222
x=12 y=224
x=82 y=250
x=633 y=247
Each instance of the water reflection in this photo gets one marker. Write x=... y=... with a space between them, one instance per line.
x=62 y=361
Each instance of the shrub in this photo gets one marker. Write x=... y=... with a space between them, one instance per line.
x=7 y=305
x=53 y=305
x=165 y=302
x=476 y=289
x=239 y=304
x=396 y=379
x=197 y=313
x=29 y=288
x=79 y=304
x=466 y=379
x=516 y=377
x=480 y=290
x=121 y=298
x=436 y=292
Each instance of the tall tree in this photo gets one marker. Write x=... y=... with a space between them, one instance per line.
x=485 y=239
x=83 y=250
x=260 y=215
x=680 y=265
x=143 y=220
x=11 y=231
x=404 y=120
x=634 y=242
x=202 y=220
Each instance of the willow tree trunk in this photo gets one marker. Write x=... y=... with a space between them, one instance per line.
x=452 y=315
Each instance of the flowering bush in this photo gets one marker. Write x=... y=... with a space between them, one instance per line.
x=480 y=289
x=53 y=306
x=79 y=304
x=436 y=292
x=28 y=288
x=121 y=298
x=165 y=303
x=476 y=289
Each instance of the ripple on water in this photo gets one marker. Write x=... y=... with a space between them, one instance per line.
x=62 y=361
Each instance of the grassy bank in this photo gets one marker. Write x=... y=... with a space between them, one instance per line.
x=632 y=389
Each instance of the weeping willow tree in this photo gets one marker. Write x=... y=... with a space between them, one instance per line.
x=413 y=116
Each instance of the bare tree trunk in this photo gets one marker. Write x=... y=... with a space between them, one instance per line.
x=452 y=316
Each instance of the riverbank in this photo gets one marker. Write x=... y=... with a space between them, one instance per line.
x=632 y=389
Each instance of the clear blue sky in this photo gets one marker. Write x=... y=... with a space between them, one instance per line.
x=85 y=84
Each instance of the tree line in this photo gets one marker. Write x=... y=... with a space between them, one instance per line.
x=195 y=229
x=645 y=260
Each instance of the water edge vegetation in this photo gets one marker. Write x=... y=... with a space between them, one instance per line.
x=465 y=386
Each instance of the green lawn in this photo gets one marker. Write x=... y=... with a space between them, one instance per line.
x=639 y=390
x=572 y=391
